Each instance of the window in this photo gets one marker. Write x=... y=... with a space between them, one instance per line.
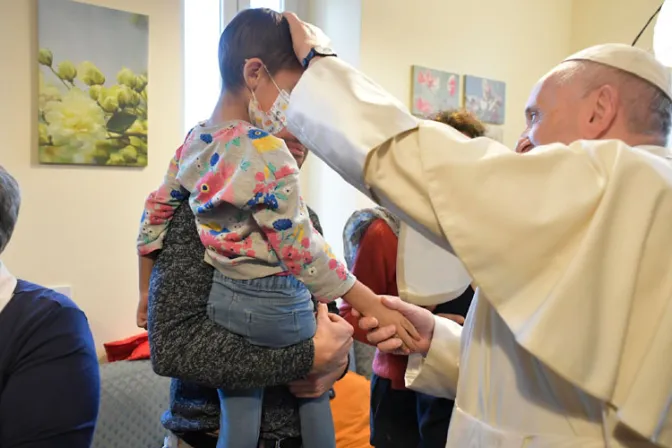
x=202 y=27
x=204 y=21
x=276 y=5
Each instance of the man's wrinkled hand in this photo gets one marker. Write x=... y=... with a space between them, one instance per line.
x=386 y=316
x=385 y=337
x=305 y=36
x=332 y=341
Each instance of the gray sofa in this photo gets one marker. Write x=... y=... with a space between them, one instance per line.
x=133 y=398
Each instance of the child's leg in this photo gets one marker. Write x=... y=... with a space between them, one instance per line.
x=271 y=312
x=240 y=418
x=317 y=424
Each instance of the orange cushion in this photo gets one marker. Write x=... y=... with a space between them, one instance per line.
x=350 y=410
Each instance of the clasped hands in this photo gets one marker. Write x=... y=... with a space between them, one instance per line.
x=333 y=340
x=385 y=337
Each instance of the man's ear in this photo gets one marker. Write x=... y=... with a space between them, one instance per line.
x=605 y=101
x=252 y=71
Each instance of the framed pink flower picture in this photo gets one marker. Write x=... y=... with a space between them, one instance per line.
x=434 y=91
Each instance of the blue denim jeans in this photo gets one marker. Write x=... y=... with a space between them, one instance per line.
x=271 y=312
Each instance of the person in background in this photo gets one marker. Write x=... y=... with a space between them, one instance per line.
x=187 y=345
x=49 y=377
x=193 y=417
x=242 y=185
x=569 y=244
x=399 y=417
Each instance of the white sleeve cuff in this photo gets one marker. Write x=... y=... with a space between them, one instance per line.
x=438 y=372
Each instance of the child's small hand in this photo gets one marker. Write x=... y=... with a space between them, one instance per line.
x=405 y=330
x=141 y=314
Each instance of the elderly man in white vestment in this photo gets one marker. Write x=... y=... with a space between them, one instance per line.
x=568 y=341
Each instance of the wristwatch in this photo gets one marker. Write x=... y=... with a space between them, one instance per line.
x=317 y=51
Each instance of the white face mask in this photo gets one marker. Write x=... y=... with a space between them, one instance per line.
x=275 y=120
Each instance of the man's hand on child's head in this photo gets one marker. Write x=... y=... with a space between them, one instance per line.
x=305 y=36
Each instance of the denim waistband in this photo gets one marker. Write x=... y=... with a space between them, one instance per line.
x=270 y=283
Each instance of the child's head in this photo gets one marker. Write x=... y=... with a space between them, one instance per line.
x=256 y=59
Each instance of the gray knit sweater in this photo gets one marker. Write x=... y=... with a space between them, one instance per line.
x=187 y=345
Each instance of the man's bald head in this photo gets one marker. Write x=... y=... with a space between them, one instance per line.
x=586 y=100
x=648 y=110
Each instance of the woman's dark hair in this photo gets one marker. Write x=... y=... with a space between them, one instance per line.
x=255 y=33
x=462 y=120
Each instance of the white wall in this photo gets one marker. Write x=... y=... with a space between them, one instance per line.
x=612 y=21
x=619 y=21
x=78 y=224
x=515 y=41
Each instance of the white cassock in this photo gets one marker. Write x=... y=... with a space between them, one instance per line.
x=569 y=340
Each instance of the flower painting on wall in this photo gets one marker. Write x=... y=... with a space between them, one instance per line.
x=92 y=93
x=485 y=98
x=434 y=91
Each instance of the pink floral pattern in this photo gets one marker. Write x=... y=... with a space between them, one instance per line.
x=427 y=78
x=423 y=106
x=242 y=185
x=434 y=91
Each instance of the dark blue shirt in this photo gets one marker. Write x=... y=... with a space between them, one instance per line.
x=49 y=376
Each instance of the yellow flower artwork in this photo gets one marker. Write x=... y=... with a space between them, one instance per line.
x=92 y=85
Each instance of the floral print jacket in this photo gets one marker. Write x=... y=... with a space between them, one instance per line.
x=243 y=187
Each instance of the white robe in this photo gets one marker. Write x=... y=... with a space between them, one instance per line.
x=418 y=263
x=569 y=340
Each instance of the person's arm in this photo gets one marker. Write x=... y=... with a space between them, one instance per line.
x=533 y=230
x=434 y=370
x=332 y=307
x=345 y=310
x=374 y=266
x=145 y=266
x=51 y=398
x=160 y=207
